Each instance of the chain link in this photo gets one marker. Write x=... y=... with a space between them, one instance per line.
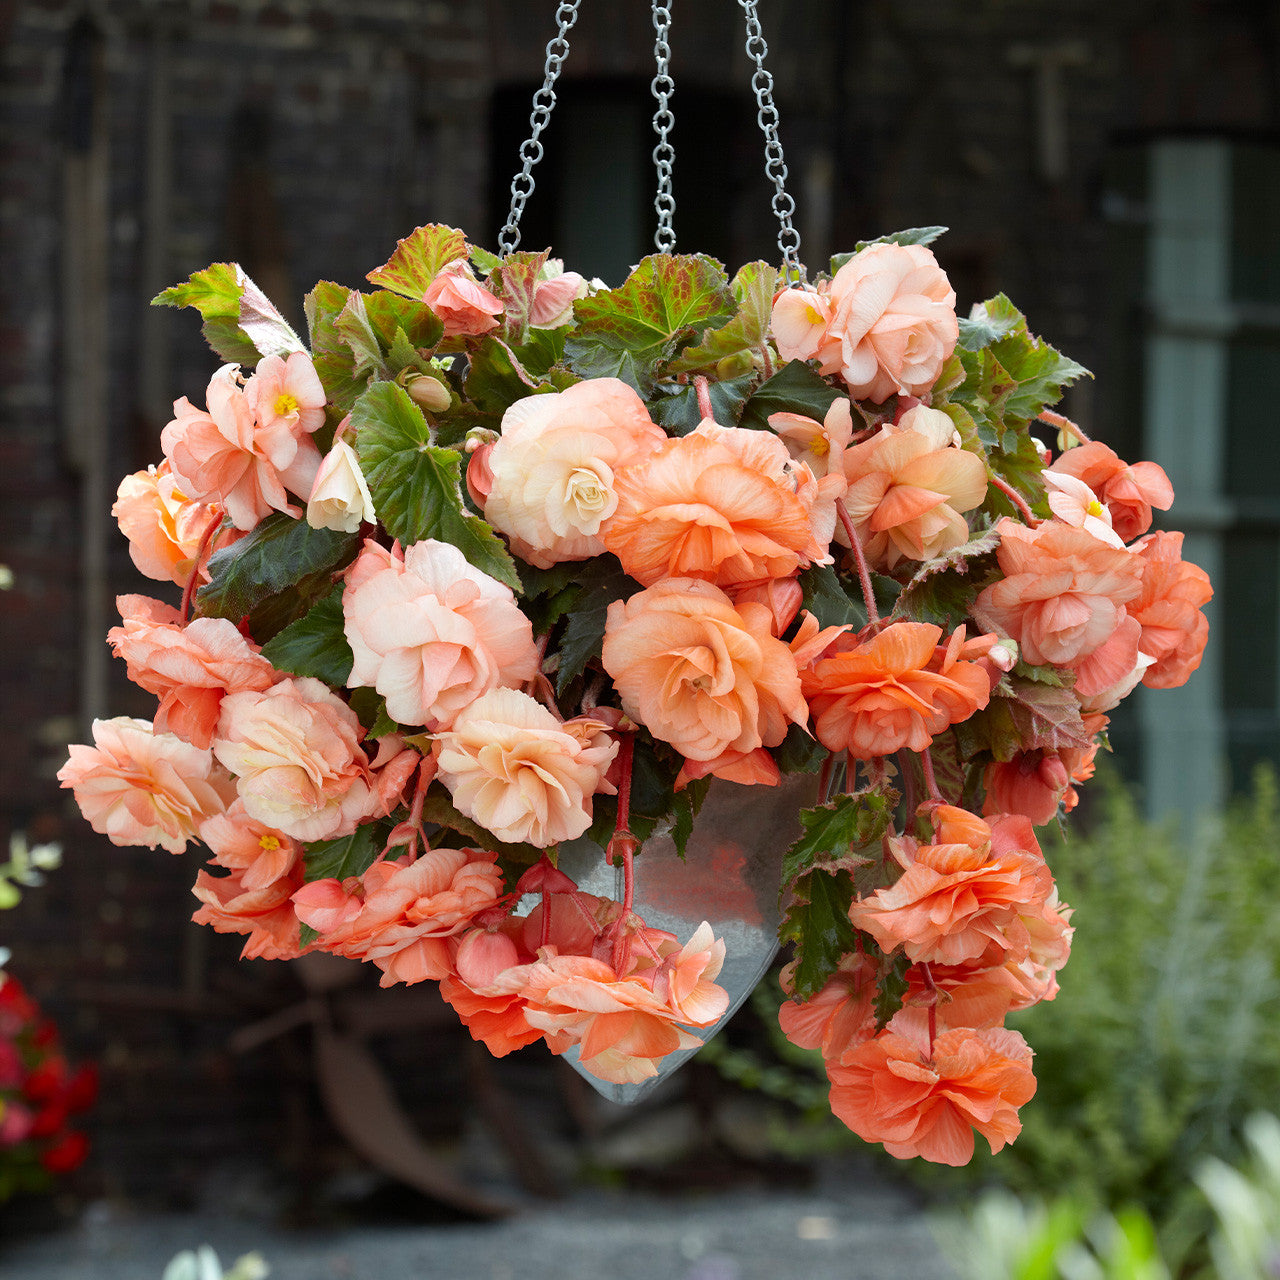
x=544 y=101
x=775 y=166
x=664 y=154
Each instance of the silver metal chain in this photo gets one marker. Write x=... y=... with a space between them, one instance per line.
x=664 y=154
x=544 y=101
x=775 y=166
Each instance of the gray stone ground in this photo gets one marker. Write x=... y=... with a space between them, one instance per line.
x=841 y=1229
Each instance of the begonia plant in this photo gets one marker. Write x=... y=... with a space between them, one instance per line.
x=500 y=559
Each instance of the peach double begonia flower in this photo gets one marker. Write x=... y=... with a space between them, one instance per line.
x=229 y=455
x=295 y=751
x=623 y=1026
x=842 y=1014
x=908 y=487
x=465 y=308
x=431 y=633
x=554 y=296
x=1128 y=490
x=961 y=901
x=139 y=787
x=926 y=1100
x=897 y=689
x=894 y=316
x=724 y=504
x=399 y=914
x=551 y=472
x=1062 y=599
x=164 y=526
x=521 y=772
x=699 y=672
x=190 y=669
x=265 y=913
x=1168 y=609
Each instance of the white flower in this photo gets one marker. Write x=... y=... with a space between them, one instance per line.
x=340 y=497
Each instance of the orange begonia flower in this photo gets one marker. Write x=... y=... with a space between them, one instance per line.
x=724 y=504
x=961 y=902
x=1168 y=608
x=265 y=914
x=925 y=1100
x=891 y=691
x=840 y=1015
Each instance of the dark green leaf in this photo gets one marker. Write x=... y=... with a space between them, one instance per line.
x=346 y=856
x=416 y=486
x=316 y=645
x=418 y=259
x=388 y=313
x=817 y=922
x=837 y=834
x=795 y=388
x=274 y=573
x=496 y=379
x=800 y=752
x=943 y=589
x=675 y=408
x=307 y=935
x=829 y=600
x=603 y=583
x=891 y=987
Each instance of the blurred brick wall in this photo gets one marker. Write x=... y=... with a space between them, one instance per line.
x=306 y=137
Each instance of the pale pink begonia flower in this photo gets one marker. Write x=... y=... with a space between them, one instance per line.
x=938 y=428
x=554 y=296
x=551 y=472
x=226 y=455
x=264 y=913
x=907 y=491
x=895 y=319
x=240 y=843
x=340 y=497
x=139 y=787
x=465 y=308
x=1074 y=503
x=819 y=445
x=399 y=914
x=295 y=751
x=188 y=668
x=1129 y=490
x=800 y=323
x=164 y=526
x=431 y=633
x=287 y=393
x=520 y=772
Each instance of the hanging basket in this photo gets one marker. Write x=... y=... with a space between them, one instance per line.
x=539 y=638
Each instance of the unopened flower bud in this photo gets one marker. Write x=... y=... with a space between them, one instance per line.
x=427 y=392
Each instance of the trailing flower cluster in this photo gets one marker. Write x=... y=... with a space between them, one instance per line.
x=561 y=558
x=39 y=1093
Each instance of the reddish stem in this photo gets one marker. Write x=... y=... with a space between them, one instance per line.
x=933 y=1006
x=1064 y=424
x=546 y=919
x=860 y=559
x=1017 y=499
x=623 y=844
x=189 y=591
x=908 y=784
x=704 y=398
x=930 y=782
x=824 y=775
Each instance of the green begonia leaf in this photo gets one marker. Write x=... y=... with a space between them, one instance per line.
x=315 y=645
x=418 y=259
x=753 y=288
x=795 y=388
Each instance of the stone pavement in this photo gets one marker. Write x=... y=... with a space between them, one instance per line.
x=848 y=1226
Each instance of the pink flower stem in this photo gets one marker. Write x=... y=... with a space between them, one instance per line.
x=824 y=775
x=908 y=785
x=545 y=936
x=1018 y=501
x=189 y=591
x=766 y=360
x=704 y=398
x=1064 y=424
x=930 y=782
x=933 y=1006
x=624 y=844
x=860 y=559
